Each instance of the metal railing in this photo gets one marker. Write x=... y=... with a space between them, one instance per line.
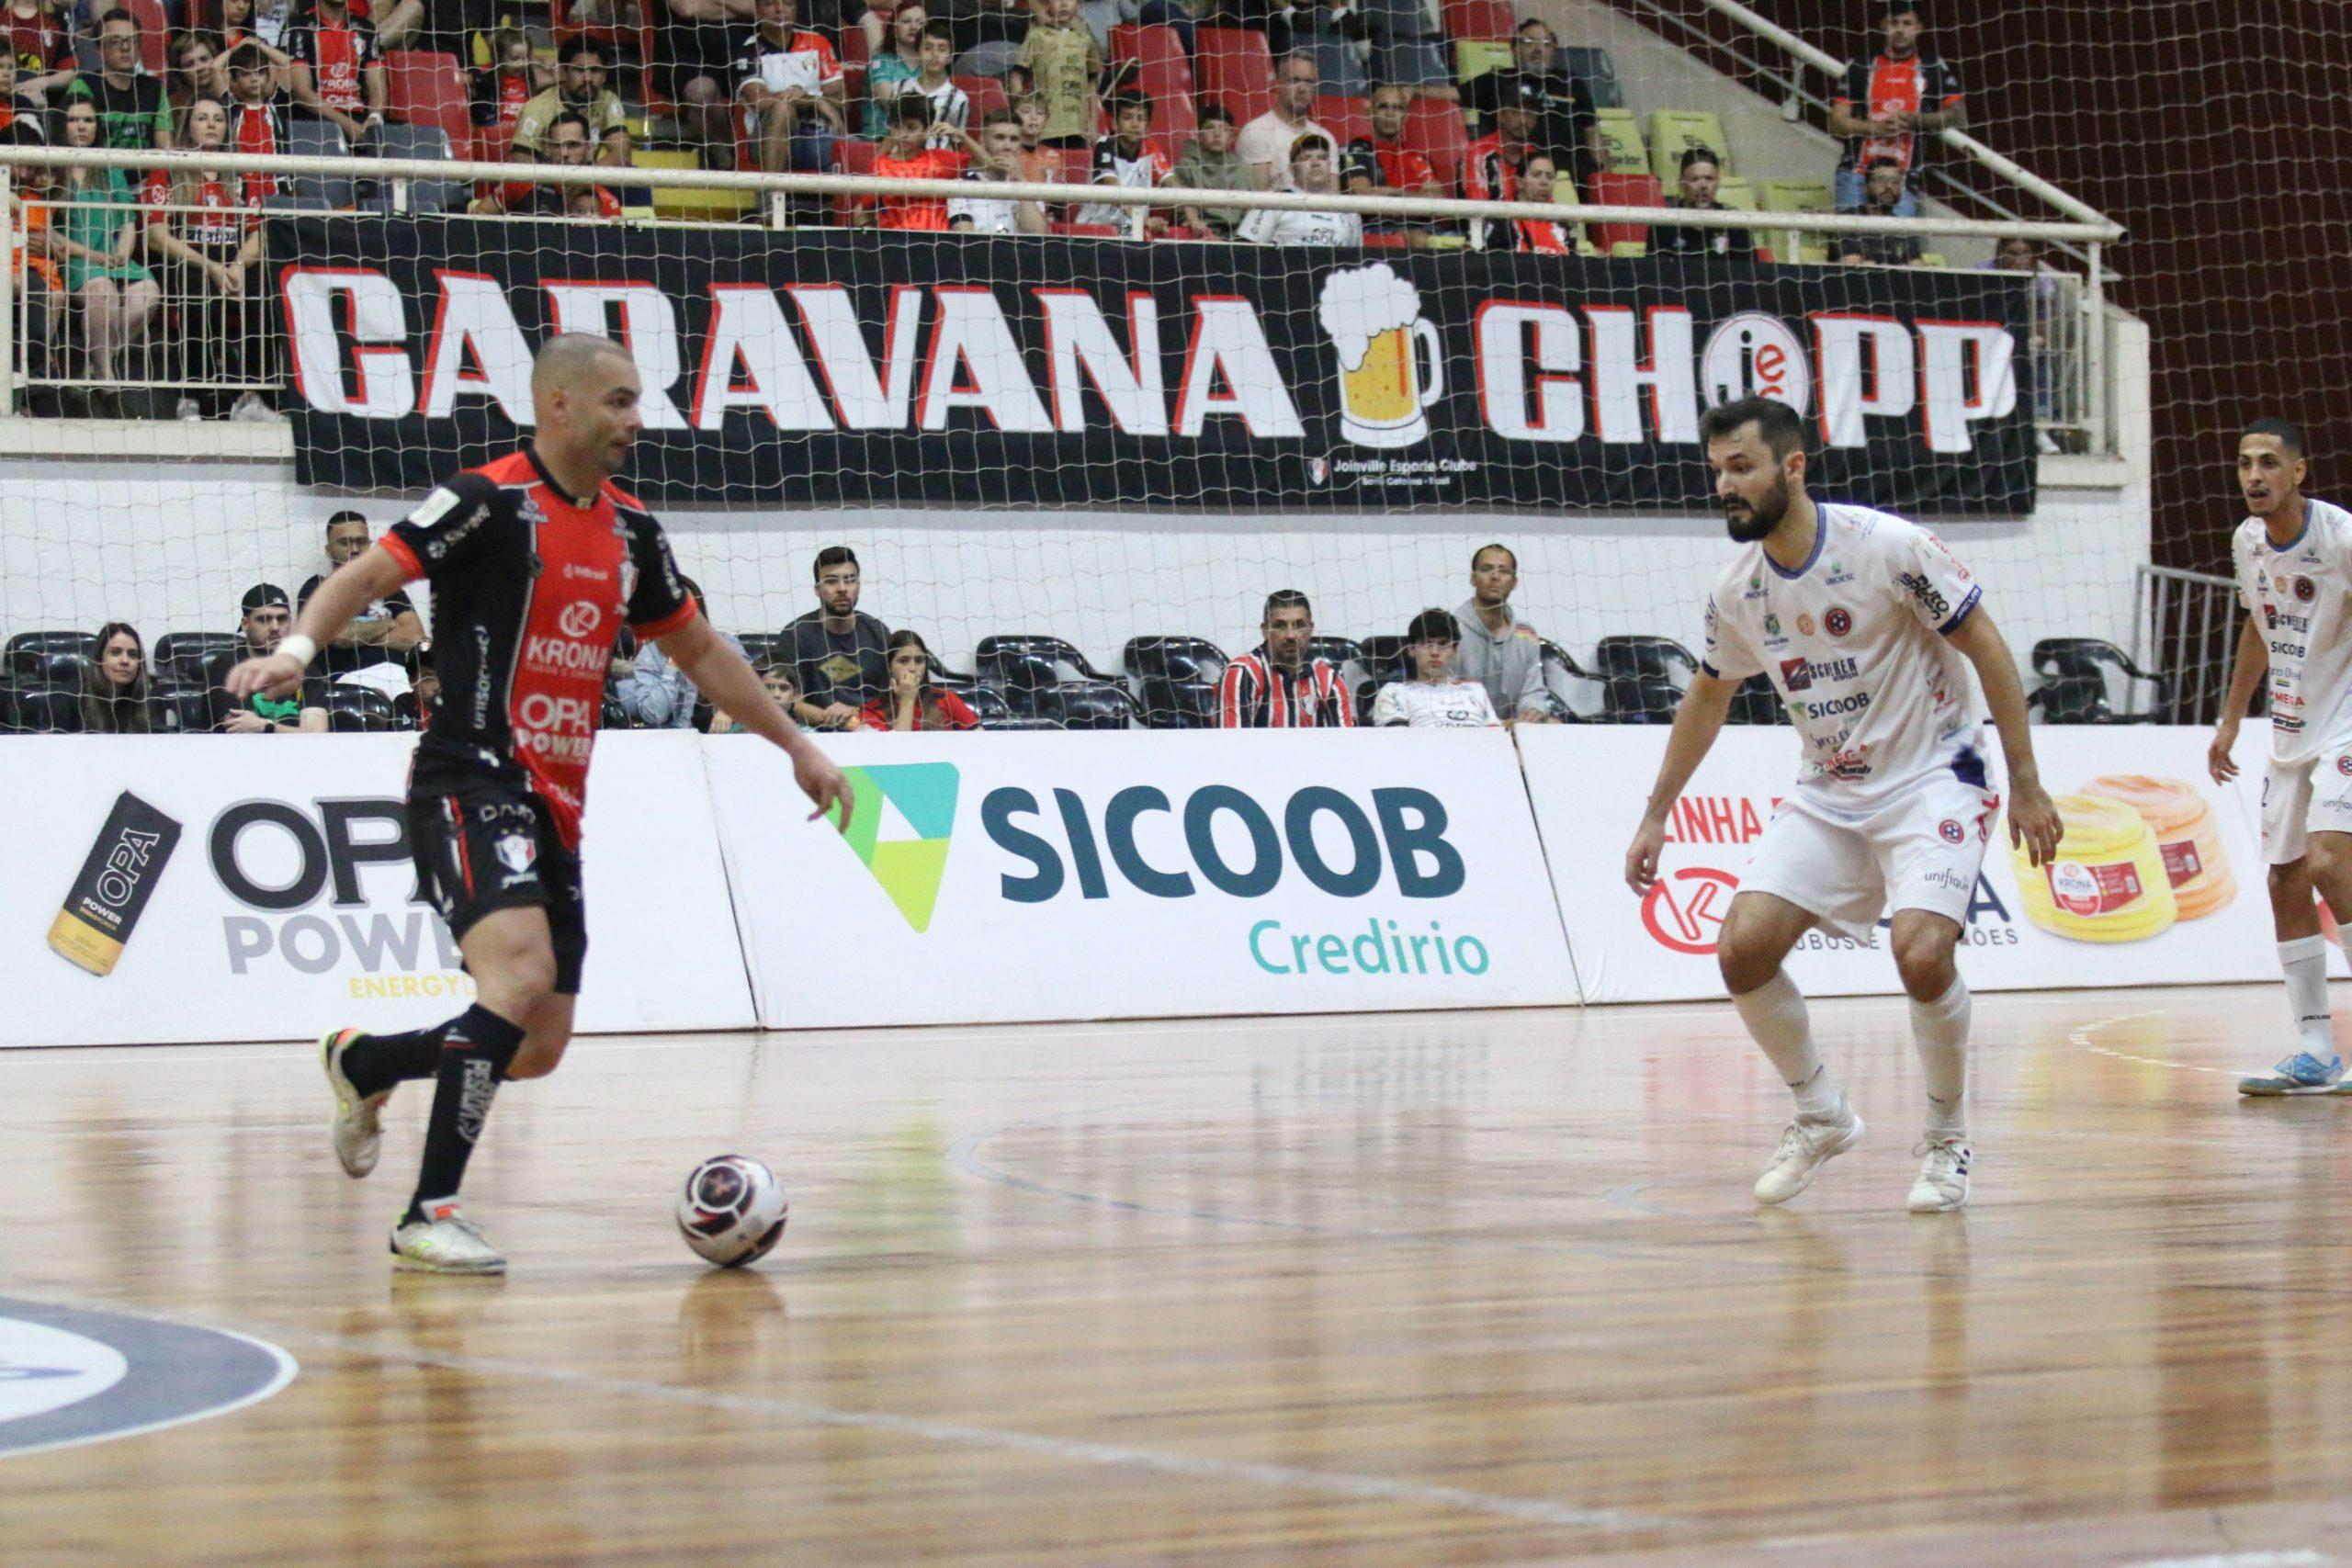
x=2185 y=625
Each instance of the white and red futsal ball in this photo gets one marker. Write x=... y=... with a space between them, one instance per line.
x=732 y=1211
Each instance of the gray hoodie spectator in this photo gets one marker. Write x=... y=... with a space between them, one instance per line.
x=1506 y=656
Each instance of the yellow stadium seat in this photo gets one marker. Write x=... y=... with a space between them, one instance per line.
x=1475 y=57
x=1930 y=258
x=685 y=201
x=1739 y=192
x=1672 y=131
x=1796 y=196
x=1625 y=248
x=1621 y=140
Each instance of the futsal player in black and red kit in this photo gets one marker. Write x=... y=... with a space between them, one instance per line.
x=536 y=560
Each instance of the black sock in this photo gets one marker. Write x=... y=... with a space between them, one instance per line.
x=475 y=1053
x=378 y=1062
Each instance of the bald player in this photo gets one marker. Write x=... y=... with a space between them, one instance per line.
x=536 y=560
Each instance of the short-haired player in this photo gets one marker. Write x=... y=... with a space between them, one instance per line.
x=1867 y=627
x=2293 y=560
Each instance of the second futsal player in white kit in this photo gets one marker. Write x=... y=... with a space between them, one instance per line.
x=1867 y=627
x=2293 y=557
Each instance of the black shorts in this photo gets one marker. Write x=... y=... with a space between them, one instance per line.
x=492 y=847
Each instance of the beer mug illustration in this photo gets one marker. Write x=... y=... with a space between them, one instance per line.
x=1374 y=318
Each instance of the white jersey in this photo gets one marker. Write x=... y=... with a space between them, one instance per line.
x=1425 y=705
x=987 y=216
x=1272 y=226
x=2302 y=597
x=1853 y=641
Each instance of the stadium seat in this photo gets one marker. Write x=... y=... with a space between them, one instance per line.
x=760 y=647
x=426 y=89
x=1596 y=72
x=1435 y=130
x=1621 y=142
x=47 y=711
x=1674 y=131
x=1613 y=190
x=1479 y=18
x=1796 y=196
x=1338 y=650
x=30 y=655
x=987 y=704
x=1232 y=67
x=430 y=142
x=1089 y=705
x=1173 y=657
x=182 y=654
x=1565 y=682
x=156 y=34
x=309 y=138
x=1644 y=677
x=1412 y=62
x=2077 y=688
x=1756 y=703
x=358 y=710
x=181 y=710
x=986 y=93
x=1735 y=192
x=701 y=202
x=852 y=155
x=1630 y=250
x=1057 y=649
x=1344 y=118
x=1473 y=58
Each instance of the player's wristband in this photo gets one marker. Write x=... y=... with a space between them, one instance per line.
x=301 y=647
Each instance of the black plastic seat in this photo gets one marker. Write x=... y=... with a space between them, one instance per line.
x=359 y=710
x=30 y=655
x=1643 y=699
x=1756 y=703
x=1089 y=704
x=51 y=711
x=182 y=654
x=1178 y=658
x=1058 y=650
x=759 y=647
x=987 y=704
x=1656 y=657
x=2075 y=671
x=1338 y=650
x=1169 y=703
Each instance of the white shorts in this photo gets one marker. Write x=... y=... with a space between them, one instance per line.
x=2302 y=798
x=1920 y=851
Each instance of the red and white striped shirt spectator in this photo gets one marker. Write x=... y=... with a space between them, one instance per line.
x=1255 y=692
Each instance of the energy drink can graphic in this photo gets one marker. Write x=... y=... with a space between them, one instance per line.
x=115 y=884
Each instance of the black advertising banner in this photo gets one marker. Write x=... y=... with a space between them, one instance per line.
x=823 y=366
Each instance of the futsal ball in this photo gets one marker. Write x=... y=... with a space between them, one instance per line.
x=732 y=1211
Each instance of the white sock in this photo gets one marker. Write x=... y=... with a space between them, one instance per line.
x=1775 y=1014
x=1939 y=1029
x=2305 y=962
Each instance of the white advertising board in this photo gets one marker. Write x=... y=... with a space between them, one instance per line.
x=286 y=906
x=1037 y=877
x=2211 y=922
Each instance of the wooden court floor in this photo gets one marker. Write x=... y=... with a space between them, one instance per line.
x=1434 y=1289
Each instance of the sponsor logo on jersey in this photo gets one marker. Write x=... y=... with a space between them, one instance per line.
x=517 y=851
x=1771 y=625
x=1931 y=597
x=1805 y=626
x=579 y=618
x=575 y=570
x=2344 y=765
x=1853 y=702
x=1837 y=622
x=2306 y=590
x=1838 y=574
x=1952 y=832
x=2270 y=617
x=1799 y=674
x=563 y=655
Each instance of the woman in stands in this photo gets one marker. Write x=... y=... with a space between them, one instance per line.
x=93 y=233
x=206 y=232
x=115 y=686
x=900 y=61
x=913 y=702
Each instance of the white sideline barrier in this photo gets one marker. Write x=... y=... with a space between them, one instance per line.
x=263 y=924
x=1589 y=785
x=1084 y=876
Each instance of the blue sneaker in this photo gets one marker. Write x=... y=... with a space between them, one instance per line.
x=2302 y=1073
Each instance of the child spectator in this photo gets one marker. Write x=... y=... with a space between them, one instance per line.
x=1063 y=63
x=1435 y=698
x=1127 y=158
x=1040 y=164
x=951 y=110
x=910 y=702
x=501 y=90
x=907 y=155
x=238 y=31
x=1211 y=163
x=258 y=106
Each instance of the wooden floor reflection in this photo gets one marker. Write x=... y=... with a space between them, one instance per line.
x=1472 y=1288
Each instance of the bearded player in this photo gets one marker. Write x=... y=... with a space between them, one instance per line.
x=1867 y=625
x=537 y=560
x=2293 y=558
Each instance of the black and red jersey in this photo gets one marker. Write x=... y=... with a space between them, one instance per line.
x=259 y=129
x=530 y=587
x=338 y=55
x=1923 y=84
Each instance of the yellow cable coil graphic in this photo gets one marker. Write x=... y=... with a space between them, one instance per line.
x=2188 y=837
x=2107 y=882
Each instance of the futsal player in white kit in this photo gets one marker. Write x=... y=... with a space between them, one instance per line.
x=1867 y=627
x=2293 y=558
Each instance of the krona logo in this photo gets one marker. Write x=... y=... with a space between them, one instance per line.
x=916 y=801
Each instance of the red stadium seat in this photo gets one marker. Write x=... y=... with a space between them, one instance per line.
x=852 y=155
x=1346 y=119
x=1232 y=68
x=426 y=89
x=986 y=93
x=1435 y=130
x=1610 y=189
x=154 y=35
x=853 y=50
x=1479 y=18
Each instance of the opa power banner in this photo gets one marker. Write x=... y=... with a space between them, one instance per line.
x=2160 y=880
x=209 y=887
x=1039 y=876
x=836 y=366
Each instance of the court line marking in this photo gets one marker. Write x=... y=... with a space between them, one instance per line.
x=2297 y=1557
x=2082 y=1037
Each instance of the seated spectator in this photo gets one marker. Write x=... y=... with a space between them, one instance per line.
x=205 y=230
x=656 y=693
x=267 y=617
x=1000 y=160
x=1127 y=158
x=1566 y=124
x=910 y=700
x=1699 y=179
x=1498 y=650
x=339 y=69
x=94 y=230
x=1893 y=106
x=258 y=106
x=581 y=88
x=776 y=674
x=901 y=62
x=1882 y=198
x=1436 y=697
x=565 y=144
x=129 y=104
x=1276 y=685
x=695 y=62
x=909 y=156
x=1211 y=163
x=238 y=33
x=1311 y=171
x=195 y=72
x=792 y=91
x=1266 y=143
x=837 y=650
x=1491 y=165
x=1402 y=170
x=24 y=118
x=1040 y=164
x=115 y=686
x=951 y=110
x=1298 y=25
x=382 y=633
x=414 y=708
x=39 y=290
x=37 y=37
x=502 y=88
x=1544 y=236
x=2019 y=254
x=1063 y=63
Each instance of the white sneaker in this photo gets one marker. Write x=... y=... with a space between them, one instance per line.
x=186 y=409
x=1805 y=1147
x=249 y=409
x=1944 y=1175
x=444 y=1242
x=2302 y=1073
x=357 y=1132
